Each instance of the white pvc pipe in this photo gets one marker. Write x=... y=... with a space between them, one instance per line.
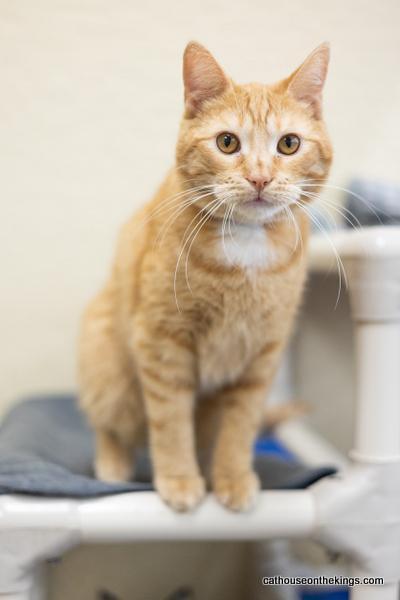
x=377 y=424
x=372 y=258
x=377 y=427
x=143 y=516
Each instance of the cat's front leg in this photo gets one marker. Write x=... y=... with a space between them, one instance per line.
x=168 y=382
x=235 y=483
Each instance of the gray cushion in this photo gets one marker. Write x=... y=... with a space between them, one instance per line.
x=46 y=448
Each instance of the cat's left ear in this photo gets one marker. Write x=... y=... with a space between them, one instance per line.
x=203 y=77
x=307 y=82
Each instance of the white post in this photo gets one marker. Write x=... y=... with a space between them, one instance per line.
x=377 y=425
x=373 y=269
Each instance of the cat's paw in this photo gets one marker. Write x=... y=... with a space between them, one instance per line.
x=237 y=492
x=181 y=493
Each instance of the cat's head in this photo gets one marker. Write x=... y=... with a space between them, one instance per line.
x=251 y=147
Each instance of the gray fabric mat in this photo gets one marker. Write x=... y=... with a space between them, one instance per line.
x=46 y=448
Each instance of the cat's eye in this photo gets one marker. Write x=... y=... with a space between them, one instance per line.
x=228 y=143
x=289 y=144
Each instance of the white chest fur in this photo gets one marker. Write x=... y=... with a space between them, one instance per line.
x=246 y=246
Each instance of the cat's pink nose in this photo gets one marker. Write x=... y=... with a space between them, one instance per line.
x=259 y=182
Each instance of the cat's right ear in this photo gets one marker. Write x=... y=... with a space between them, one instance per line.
x=203 y=78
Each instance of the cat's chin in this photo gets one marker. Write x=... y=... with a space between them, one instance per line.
x=254 y=212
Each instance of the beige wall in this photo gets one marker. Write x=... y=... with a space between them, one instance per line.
x=89 y=106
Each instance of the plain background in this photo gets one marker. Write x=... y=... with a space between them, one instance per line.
x=90 y=101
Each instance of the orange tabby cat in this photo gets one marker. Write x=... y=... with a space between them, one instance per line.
x=185 y=337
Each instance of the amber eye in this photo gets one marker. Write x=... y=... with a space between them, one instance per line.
x=228 y=143
x=289 y=144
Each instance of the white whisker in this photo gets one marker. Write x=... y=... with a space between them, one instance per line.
x=170 y=203
x=344 y=212
x=368 y=204
x=223 y=231
x=299 y=239
x=195 y=233
x=339 y=262
x=186 y=241
x=191 y=201
x=230 y=221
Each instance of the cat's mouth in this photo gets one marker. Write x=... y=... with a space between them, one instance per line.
x=256 y=203
x=261 y=201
